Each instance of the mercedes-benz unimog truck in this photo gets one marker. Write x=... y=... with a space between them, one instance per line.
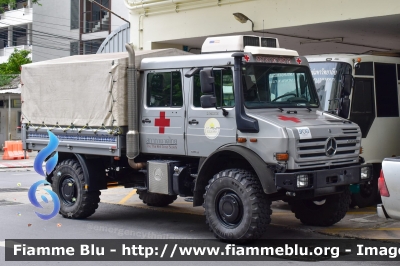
x=235 y=128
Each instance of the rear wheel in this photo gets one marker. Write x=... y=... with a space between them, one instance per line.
x=235 y=205
x=68 y=183
x=156 y=200
x=322 y=211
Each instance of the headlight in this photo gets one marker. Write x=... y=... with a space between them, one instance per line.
x=364 y=172
x=302 y=181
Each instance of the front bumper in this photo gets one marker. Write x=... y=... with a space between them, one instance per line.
x=323 y=181
x=380 y=209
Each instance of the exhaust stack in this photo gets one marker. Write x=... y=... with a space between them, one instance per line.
x=132 y=138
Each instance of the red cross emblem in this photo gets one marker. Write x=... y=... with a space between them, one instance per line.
x=246 y=57
x=298 y=60
x=161 y=122
x=286 y=118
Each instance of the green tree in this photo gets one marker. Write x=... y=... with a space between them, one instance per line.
x=13 y=3
x=15 y=61
x=11 y=68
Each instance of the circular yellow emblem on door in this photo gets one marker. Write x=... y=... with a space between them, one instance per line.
x=211 y=128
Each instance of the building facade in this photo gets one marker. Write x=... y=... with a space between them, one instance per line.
x=71 y=27
x=308 y=26
x=15 y=28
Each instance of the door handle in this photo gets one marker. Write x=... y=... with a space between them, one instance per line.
x=193 y=122
x=146 y=121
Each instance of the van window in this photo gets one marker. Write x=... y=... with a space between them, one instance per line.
x=223 y=79
x=387 y=103
x=398 y=72
x=362 y=106
x=164 y=89
x=365 y=69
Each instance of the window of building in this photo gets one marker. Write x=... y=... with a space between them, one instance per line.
x=74 y=48
x=74 y=14
x=16 y=103
x=95 y=18
x=92 y=46
x=223 y=79
x=164 y=89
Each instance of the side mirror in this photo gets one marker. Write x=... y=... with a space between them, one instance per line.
x=207 y=81
x=208 y=101
x=345 y=108
x=347 y=83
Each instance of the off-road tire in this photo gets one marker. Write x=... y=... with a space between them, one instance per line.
x=156 y=200
x=243 y=193
x=76 y=202
x=329 y=213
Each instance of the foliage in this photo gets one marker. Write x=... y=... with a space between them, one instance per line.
x=13 y=4
x=15 y=61
x=11 y=69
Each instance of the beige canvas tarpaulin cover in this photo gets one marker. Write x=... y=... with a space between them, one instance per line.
x=76 y=89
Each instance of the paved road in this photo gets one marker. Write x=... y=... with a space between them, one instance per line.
x=121 y=215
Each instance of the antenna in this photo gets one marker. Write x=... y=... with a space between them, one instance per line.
x=263 y=28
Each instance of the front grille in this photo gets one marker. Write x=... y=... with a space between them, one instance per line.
x=311 y=153
x=350 y=130
x=313 y=148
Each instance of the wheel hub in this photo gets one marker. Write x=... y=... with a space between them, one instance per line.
x=68 y=190
x=230 y=208
x=319 y=202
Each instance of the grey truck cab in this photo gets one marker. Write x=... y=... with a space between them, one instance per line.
x=236 y=128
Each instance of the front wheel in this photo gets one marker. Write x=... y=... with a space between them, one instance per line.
x=235 y=205
x=68 y=183
x=323 y=211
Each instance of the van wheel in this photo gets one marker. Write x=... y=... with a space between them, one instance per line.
x=156 y=200
x=68 y=183
x=236 y=207
x=322 y=211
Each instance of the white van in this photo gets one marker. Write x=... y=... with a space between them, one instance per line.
x=373 y=104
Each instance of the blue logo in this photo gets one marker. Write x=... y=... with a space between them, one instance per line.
x=50 y=165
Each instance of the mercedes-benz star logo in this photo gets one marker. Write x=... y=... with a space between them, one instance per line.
x=330 y=147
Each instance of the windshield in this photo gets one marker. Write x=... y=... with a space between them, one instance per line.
x=266 y=86
x=327 y=77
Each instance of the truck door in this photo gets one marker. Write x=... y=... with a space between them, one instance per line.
x=162 y=116
x=207 y=128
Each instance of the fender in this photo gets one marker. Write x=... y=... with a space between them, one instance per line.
x=94 y=177
x=207 y=169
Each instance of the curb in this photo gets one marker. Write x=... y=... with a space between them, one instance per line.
x=12 y=167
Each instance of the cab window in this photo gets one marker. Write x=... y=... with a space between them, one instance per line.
x=164 y=89
x=223 y=81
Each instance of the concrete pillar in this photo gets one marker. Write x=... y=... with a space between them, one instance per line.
x=29 y=34
x=29 y=3
x=10 y=36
